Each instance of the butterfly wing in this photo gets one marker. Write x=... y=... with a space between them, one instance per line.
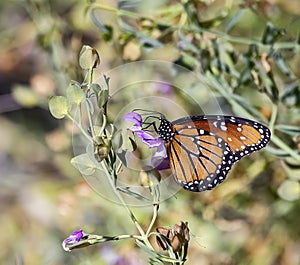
x=203 y=149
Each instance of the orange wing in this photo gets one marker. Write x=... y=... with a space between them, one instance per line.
x=202 y=149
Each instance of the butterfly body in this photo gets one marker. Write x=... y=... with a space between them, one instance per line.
x=202 y=149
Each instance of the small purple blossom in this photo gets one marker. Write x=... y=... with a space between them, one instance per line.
x=74 y=238
x=134 y=118
x=159 y=160
x=146 y=138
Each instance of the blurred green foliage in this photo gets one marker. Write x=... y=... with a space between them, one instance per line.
x=248 y=50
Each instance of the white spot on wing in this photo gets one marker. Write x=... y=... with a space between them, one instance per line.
x=223 y=127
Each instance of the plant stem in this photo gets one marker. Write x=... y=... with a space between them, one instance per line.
x=273 y=117
x=154 y=216
x=87 y=136
x=90 y=81
x=284 y=147
x=130 y=213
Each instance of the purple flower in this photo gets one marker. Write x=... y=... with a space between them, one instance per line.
x=136 y=119
x=146 y=138
x=74 y=238
x=159 y=160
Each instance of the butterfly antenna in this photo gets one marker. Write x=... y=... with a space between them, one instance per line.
x=147 y=112
x=151 y=123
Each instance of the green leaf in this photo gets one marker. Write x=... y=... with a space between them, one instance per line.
x=107 y=30
x=186 y=44
x=84 y=164
x=291 y=95
x=101 y=93
x=154 y=254
x=278 y=152
x=187 y=61
x=282 y=65
x=110 y=32
x=235 y=20
x=129 y=192
x=127 y=4
x=123 y=140
x=75 y=94
x=244 y=105
x=59 y=106
x=294 y=166
x=144 y=39
x=90 y=106
x=96 y=88
x=289 y=129
x=88 y=58
x=155 y=261
x=98 y=24
x=271 y=34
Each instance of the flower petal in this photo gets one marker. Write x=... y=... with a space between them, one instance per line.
x=161 y=150
x=148 y=139
x=74 y=238
x=160 y=163
x=160 y=160
x=134 y=118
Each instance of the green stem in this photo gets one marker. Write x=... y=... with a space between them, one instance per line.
x=118 y=168
x=273 y=117
x=90 y=81
x=96 y=239
x=104 y=122
x=284 y=147
x=144 y=236
x=130 y=213
x=154 y=217
x=100 y=239
x=87 y=136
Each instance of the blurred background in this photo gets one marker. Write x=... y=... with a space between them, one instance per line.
x=250 y=47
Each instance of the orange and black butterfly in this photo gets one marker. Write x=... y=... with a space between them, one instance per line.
x=202 y=149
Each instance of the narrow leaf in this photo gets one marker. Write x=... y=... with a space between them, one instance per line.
x=235 y=20
x=129 y=192
x=289 y=129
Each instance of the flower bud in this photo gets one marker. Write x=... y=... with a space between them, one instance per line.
x=177 y=237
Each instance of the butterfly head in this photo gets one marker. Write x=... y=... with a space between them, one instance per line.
x=153 y=118
x=165 y=129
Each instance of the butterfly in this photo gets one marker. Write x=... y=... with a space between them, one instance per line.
x=202 y=149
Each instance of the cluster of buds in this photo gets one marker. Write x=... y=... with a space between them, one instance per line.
x=176 y=237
